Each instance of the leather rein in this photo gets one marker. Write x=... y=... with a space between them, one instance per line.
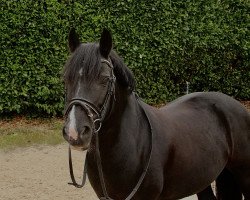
x=90 y=108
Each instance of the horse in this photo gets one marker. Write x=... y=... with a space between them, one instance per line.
x=137 y=151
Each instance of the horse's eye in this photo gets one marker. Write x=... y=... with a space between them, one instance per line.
x=104 y=80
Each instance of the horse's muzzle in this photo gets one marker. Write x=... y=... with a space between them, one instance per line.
x=78 y=141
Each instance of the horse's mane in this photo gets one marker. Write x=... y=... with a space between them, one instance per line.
x=87 y=57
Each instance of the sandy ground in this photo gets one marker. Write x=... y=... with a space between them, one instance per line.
x=41 y=173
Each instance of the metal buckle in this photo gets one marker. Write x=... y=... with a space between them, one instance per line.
x=98 y=120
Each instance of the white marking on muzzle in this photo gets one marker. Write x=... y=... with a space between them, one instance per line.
x=73 y=134
x=72 y=124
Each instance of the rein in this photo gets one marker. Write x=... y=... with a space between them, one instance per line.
x=89 y=108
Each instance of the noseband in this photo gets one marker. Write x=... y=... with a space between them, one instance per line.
x=95 y=114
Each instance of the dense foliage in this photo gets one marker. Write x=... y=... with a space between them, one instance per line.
x=165 y=43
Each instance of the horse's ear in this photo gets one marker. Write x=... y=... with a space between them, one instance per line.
x=105 y=43
x=74 y=41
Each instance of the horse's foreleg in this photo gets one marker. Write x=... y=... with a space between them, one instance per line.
x=206 y=194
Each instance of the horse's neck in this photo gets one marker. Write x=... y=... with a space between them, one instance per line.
x=124 y=148
x=124 y=142
x=126 y=125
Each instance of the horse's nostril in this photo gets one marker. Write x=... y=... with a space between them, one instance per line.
x=86 y=130
x=71 y=139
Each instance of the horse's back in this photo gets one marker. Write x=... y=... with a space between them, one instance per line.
x=225 y=107
x=199 y=100
x=229 y=113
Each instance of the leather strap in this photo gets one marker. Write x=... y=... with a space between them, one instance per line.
x=72 y=172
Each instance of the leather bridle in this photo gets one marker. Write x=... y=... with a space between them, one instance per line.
x=95 y=114
x=101 y=114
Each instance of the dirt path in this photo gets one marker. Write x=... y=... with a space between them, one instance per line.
x=41 y=173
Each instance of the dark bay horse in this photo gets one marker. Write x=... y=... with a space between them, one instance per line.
x=136 y=151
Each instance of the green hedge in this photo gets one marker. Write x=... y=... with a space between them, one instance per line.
x=165 y=43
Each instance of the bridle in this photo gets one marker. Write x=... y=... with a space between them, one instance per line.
x=101 y=114
x=90 y=108
x=96 y=116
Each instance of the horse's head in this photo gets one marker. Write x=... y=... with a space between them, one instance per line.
x=90 y=83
